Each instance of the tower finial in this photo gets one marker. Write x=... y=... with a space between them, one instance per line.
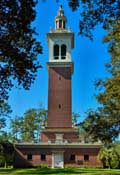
x=60 y=11
x=61 y=6
x=60 y=20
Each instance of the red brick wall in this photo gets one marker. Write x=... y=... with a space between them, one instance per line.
x=20 y=159
x=79 y=156
x=59 y=97
x=21 y=156
x=70 y=136
x=47 y=136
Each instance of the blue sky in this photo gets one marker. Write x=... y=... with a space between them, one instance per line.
x=89 y=59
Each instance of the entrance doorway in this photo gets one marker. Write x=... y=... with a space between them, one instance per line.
x=57 y=160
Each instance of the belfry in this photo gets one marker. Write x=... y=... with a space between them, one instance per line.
x=59 y=144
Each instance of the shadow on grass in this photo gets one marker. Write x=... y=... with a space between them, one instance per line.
x=71 y=171
x=6 y=170
x=66 y=171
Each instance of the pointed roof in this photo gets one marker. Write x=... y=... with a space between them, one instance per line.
x=60 y=14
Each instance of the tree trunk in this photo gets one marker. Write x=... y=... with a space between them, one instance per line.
x=5 y=165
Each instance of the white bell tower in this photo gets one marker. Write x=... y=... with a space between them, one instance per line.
x=60 y=40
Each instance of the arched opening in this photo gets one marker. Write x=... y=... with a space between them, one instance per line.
x=64 y=24
x=63 y=51
x=56 y=51
x=60 y=23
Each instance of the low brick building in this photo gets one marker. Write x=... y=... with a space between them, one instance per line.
x=56 y=154
x=59 y=144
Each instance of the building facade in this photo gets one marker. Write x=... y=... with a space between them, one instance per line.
x=59 y=144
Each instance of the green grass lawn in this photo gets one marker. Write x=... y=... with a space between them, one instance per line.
x=66 y=171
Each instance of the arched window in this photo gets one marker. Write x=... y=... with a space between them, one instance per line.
x=63 y=51
x=56 y=51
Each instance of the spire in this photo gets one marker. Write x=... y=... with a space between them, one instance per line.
x=60 y=19
x=60 y=12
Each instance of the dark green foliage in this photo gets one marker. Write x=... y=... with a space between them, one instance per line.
x=28 y=127
x=113 y=38
x=6 y=152
x=4 y=114
x=74 y=4
x=75 y=117
x=16 y=129
x=18 y=46
x=2 y=123
x=104 y=123
x=5 y=109
x=110 y=156
x=101 y=126
x=94 y=12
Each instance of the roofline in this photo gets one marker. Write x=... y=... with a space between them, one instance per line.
x=55 y=145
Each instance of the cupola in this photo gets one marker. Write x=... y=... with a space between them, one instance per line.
x=60 y=40
x=60 y=19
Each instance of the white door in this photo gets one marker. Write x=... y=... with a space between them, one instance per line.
x=57 y=160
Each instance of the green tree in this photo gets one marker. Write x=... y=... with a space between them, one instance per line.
x=5 y=110
x=6 y=152
x=16 y=129
x=32 y=123
x=18 y=47
x=93 y=13
x=28 y=127
x=75 y=117
x=101 y=127
x=4 y=114
x=42 y=116
x=109 y=95
x=103 y=123
x=83 y=135
x=110 y=156
x=105 y=155
x=116 y=147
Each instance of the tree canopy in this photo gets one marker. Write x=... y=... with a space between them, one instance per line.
x=18 y=47
x=27 y=128
x=110 y=157
x=93 y=13
x=103 y=123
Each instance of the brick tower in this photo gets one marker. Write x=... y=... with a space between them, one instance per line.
x=60 y=69
x=59 y=144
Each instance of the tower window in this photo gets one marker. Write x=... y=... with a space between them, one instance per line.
x=86 y=158
x=56 y=51
x=63 y=51
x=43 y=157
x=29 y=157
